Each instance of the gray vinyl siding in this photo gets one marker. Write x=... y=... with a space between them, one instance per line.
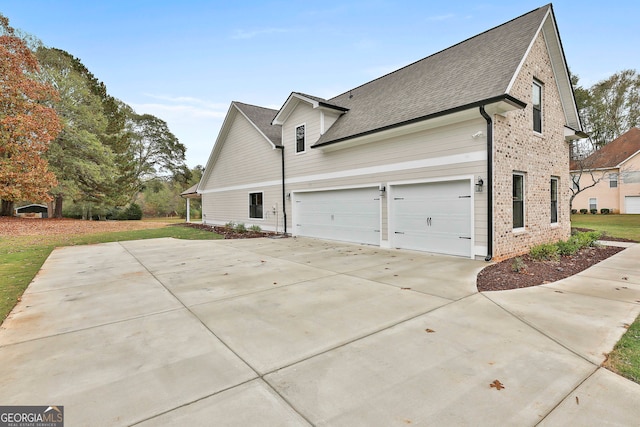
x=233 y=206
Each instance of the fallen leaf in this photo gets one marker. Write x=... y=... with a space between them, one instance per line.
x=225 y=274
x=429 y=331
x=275 y=283
x=492 y=363
x=626 y=325
x=497 y=385
x=625 y=278
x=405 y=289
x=559 y=292
x=577 y=400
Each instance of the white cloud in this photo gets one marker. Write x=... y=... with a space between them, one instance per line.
x=441 y=17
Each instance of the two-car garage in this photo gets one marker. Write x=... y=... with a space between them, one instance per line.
x=432 y=217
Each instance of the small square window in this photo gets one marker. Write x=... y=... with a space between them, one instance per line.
x=255 y=206
x=300 y=139
x=536 y=102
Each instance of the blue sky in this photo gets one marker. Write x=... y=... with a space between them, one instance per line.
x=185 y=61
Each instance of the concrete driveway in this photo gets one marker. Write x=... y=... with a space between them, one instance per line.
x=277 y=332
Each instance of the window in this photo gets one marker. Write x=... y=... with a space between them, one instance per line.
x=613 y=180
x=593 y=203
x=300 y=139
x=518 y=200
x=255 y=205
x=554 y=200
x=575 y=179
x=536 y=101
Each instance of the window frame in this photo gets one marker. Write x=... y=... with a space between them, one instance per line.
x=251 y=205
x=537 y=121
x=521 y=201
x=304 y=138
x=554 y=203
x=595 y=203
x=613 y=180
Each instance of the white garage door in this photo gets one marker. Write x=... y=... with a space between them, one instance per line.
x=632 y=204
x=349 y=215
x=433 y=217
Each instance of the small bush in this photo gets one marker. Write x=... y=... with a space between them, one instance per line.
x=585 y=240
x=605 y=211
x=544 y=252
x=593 y=211
x=569 y=247
x=574 y=211
x=133 y=212
x=230 y=225
x=255 y=228
x=241 y=228
x=518 y=265
x=583 y=211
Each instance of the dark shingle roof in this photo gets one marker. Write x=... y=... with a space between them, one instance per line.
x=262 y=118
x=614 y=153
x=474 y=70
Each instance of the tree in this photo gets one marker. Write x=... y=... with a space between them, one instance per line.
x=83 y=165
x=28 y=123
x=154 y=149
x=610 y=107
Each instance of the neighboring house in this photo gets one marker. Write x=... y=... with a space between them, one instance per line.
x=32 y=211
x=465 y=152
x=615 y=170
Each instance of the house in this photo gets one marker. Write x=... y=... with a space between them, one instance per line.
x=464 y=152
x=610 y=176
x=32 y=211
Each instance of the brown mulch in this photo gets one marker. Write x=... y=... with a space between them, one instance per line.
x=230 y=233
x=501 y=276
x=14 y=227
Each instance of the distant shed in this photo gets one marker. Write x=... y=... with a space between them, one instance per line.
x=32 y=211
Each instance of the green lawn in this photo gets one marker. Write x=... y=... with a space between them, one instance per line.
x=625 y=226
x=625 y=357
x=21 y=257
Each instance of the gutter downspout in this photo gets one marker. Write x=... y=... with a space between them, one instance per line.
x=489 y=183
x=284 y=201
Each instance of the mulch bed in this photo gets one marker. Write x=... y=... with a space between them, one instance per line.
x=501 y=276
x=229 y=233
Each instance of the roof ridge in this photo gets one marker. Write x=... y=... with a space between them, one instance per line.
x=441 y=51
x=253 y=105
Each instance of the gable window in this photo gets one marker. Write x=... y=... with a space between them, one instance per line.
x=518 y=200
x=613 y=180
x=255 y=206
x=554 y=200
x=300 y=137
x=536 y=102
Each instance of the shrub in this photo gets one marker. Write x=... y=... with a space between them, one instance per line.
x=544 y=252
x=594 y=211
x=518 y=265
x=241 y=228
x=583 y=211
x=574 y=211
x=255 y=228
x=585 y=240
x=133 y=212
x=569 y=247
x=230 y=225
x=605 y=211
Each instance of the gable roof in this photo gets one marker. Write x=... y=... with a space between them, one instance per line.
x=293 y=100
x=614 y=153
x=476 y=71
x=259 y=117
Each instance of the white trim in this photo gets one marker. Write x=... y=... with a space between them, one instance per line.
x=524 y=201
x=475 y=156
x=295 y=138
x=249 y=217
x=557 y=178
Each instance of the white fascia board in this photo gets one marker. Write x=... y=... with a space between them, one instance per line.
x=289 y=106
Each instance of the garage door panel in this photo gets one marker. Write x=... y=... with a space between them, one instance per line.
x=632 y=204
x=433 y=217
x=351 y=215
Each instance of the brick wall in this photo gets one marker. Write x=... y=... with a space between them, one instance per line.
x=539 y=156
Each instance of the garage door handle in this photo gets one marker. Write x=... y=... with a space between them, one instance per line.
x=398 y=198
x=464 y=197
x=468 y=238
x=399 y=232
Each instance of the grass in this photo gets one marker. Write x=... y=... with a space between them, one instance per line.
x=623 y=226
x=22 y=257
x=625 y=357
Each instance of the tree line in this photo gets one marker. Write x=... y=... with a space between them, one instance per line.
x=64 y=139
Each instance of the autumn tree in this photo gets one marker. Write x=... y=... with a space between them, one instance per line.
x=28 y=123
